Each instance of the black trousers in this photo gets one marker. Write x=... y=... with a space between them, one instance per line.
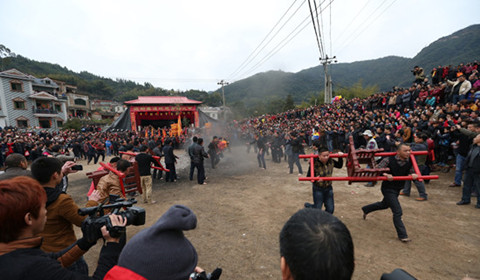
x=390 y=200
x=200 y=172
x=192 y=169
x=172 y=175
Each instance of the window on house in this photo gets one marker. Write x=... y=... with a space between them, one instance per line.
x=59 y=123
x=22 y=123
x=81 y=102
x=19 y=104
x=16 y=86
x=44 y=123
x=58 y=107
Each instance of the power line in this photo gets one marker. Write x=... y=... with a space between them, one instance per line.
x=250 y=58
x=320 y=27
x=355 y=31
x=282 y=43
x=330 y=27
x=315 y=29
x=350 y=23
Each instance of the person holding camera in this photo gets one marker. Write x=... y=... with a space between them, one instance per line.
x=419 y=74
x=161 y=252
x=316 y=245
x=23 y=209
x=62 y=210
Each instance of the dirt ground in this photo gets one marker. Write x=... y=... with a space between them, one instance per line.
x=243 y=208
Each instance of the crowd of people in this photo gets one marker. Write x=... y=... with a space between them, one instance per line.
x=438 y=114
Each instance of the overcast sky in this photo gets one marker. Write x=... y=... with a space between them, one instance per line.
x=187 y=44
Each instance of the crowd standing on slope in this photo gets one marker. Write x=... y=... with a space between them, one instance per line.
x=439 y=114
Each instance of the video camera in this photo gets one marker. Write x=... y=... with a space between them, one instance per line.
x=97 y=218
x=215 y=275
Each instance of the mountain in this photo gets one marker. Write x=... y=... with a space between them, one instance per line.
x=386 y=72
x=265 y=92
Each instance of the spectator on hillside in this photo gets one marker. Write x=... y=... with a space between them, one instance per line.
x=419 y=74
x=460 y=88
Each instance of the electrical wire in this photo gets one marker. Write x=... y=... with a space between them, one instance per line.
x=350 y=23
x=320 y=28
x=317 y=37
x=276 y=49
x=250 y=58
x=365 y=28
x=355 y=31
x=282 y=44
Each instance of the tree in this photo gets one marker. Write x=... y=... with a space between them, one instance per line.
x=356 y=90
x=214 y=99
x=288 y=105
x=275 y=105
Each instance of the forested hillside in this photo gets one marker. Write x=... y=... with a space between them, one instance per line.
x=267 y=92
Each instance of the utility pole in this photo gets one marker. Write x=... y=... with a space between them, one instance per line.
x=223 y=83
x=328 y=79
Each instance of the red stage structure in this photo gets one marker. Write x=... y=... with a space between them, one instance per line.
x=362 y=156
x=159 y=111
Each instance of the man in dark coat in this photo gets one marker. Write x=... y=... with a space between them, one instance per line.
x=144 y=165
x=198 y=156
x=400 y=165
x=170 y=160
x=213 y=151
x=472 y=173
x=191 y=148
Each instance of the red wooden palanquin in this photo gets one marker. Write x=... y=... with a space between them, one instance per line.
x=356 y=173
x=129 y=181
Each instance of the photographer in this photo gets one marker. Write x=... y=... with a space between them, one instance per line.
x=62 y=210
x=419 y=74
x=161 y=252
x=22 y=207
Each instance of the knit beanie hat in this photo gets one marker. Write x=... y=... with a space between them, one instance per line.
x=162 y=251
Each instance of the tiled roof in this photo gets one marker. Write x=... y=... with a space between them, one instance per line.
x=162 y=100
x=15 y=74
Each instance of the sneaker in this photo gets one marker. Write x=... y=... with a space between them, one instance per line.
x=420 y=199
x=405 y=194
x=405 y=240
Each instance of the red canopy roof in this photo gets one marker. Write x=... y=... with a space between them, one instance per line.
x=162 y=100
